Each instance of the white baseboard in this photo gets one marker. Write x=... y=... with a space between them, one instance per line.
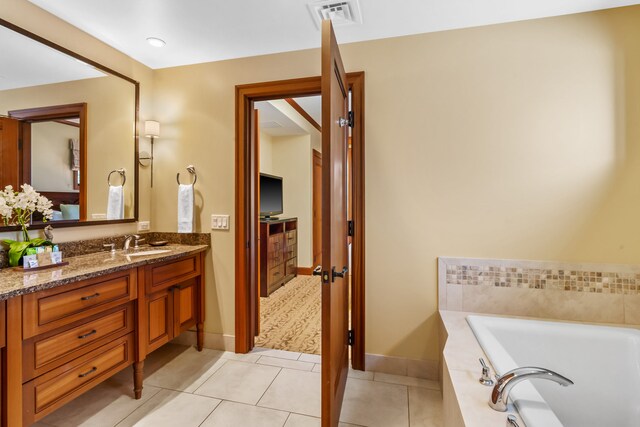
x=211 y=340
x=427 y=369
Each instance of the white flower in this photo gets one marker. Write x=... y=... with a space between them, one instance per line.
x=17 y=208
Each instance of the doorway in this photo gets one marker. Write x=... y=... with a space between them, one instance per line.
x=287 y=134
x=247 y=205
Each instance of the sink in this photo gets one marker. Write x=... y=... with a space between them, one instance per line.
x=149 y=252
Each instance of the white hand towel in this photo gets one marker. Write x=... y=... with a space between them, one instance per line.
x=115 y=204
x=185 y=208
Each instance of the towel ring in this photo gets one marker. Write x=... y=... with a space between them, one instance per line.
x=120 y=171
x=192 y=170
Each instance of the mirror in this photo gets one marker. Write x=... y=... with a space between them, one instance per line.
x=68 y=127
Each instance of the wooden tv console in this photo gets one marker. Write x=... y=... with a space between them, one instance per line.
x=278 y=253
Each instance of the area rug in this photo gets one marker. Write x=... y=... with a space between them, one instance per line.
x=290 y=317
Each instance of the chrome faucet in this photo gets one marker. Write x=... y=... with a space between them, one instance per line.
x=127 y=241
x=504 y=384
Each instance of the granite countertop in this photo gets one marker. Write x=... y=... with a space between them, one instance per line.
x=17 y=282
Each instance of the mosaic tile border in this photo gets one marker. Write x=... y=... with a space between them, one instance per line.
x=588 y=278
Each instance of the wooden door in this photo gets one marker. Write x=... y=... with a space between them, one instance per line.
x=9 y=153
x=160 y=319
x=184 y=306
x=335 y=350
x=317 y=208
x=254 y=276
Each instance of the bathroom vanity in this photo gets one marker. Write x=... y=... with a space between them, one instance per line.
x=65 y=330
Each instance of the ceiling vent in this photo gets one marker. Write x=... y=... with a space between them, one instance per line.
x=341 y=13
x=270 y=125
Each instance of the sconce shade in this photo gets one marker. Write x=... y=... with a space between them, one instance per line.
x=152 y=129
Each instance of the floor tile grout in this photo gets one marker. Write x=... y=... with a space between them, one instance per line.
x=267 y=389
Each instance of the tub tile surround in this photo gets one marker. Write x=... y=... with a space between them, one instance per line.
x=465 y=400
x=601 y=293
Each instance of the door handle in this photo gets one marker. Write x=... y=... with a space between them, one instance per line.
x=317 y=271
x=335 y=274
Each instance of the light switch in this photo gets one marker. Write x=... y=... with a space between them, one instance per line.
x=220 y=222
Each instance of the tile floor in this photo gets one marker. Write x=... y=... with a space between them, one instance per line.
x=265 y=388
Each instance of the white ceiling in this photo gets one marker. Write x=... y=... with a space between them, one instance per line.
x=274 y=122
x=199 y=31
x=313 y=106
x=24 y=63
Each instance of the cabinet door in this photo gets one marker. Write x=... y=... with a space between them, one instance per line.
x=185 y=308
x=160 y=319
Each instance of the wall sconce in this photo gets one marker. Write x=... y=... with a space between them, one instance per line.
x=151 y=130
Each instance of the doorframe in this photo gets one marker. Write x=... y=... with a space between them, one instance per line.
x=246 y=235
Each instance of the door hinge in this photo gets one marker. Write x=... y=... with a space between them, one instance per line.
x=350 y=337
x=350 y=228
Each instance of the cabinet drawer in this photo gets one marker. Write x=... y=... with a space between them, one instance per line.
x=292 y=237
x=50 y=309
x=50 y=350
x=275 y=274
x=291 y=266
x=291 y=252
x=275 y=243
x=165 y=275
x=50 y=391
x=275 y=260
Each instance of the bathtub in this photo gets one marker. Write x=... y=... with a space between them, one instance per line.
x=602 y=361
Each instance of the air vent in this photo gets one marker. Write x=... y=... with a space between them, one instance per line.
x=340 y=13
x=270 y=125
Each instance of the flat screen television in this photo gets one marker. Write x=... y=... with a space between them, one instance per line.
x=270 y=195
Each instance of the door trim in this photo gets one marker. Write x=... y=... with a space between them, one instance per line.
x=246 y=239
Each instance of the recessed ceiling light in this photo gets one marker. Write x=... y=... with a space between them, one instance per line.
x=155 y=42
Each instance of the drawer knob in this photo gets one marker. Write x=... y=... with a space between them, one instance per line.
x=97 y=294
x=88 y=334
x=89 y=372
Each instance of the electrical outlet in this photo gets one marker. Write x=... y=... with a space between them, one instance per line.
x=99 y=216
x=143 y=226
x=220 y=222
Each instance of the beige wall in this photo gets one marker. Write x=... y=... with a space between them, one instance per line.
x=30 y=17
x=51 y=156
x=292 y=161
x=516 y=141
x=266 y=153
x=509 y=141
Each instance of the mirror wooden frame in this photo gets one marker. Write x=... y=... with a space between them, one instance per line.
x=136 y=85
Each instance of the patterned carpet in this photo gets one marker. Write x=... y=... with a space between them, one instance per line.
x=290 y=317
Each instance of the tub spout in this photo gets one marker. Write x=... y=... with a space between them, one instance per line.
x=504 y=384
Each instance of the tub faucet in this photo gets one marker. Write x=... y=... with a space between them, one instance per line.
x=504 y=384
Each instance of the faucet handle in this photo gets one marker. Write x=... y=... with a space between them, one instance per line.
x=512 y=421
x=110 y=246
x=137 y=240
x=485 y=379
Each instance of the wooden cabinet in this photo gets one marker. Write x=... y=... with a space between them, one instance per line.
x=56 y=344
x=172 y=301
x=73 y=337
x=278 y=253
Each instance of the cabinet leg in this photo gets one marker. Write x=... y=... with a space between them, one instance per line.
x=138 y=373
x=200 y=336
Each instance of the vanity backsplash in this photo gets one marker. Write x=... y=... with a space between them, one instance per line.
x=84 y=247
